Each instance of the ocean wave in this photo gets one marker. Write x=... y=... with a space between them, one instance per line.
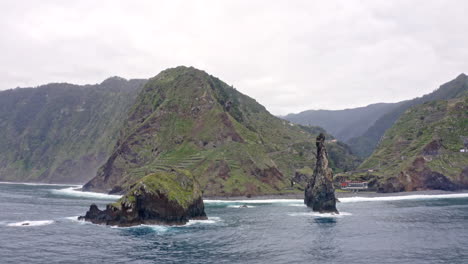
x=31 y=223
x=403 y=197
x=321 y=215
x=210 y=220
x=164 y=228
x=260 y=201
x=76 y=192
x=240 y=206
x=300 y=202
x=41 y=184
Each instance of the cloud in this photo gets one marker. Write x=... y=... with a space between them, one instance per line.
x=289 y=56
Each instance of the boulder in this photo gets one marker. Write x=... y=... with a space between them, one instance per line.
x=320 y=193
x=168 y=198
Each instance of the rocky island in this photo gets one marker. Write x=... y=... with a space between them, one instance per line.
x=170 y=198
x=320 y=193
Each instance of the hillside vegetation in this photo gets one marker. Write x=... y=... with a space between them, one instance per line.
x=186 y=119
x=422 y=150
x=365 y=144
x=61 y=132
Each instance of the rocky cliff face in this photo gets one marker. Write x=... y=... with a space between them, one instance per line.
x=320 y=193
x=187 y=119
x=424 y=149
x=171 y=198
x=60 y=132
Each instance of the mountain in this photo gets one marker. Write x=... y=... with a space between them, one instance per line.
x=343 y=124
x=365 y=144
x=427 y=148
x=187 y=119
x=61 y=132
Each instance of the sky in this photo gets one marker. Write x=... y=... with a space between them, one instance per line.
x=288 y=55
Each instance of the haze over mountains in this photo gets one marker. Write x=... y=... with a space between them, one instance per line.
x=363 y=127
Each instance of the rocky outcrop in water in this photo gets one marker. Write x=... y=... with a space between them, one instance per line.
x=171 y=198
x=320 y=193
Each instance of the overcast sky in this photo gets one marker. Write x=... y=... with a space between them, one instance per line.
x=288 y=55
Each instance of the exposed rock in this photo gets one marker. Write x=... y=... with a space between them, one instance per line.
x=320 y=193
x=163 y=198
x=416 y=178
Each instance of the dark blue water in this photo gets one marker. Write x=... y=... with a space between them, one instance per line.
x=391 y=230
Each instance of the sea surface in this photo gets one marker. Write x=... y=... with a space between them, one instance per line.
x=398 y=229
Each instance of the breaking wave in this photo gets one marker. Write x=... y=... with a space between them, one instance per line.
x=31 y=223
x=41 y=184
x=403 y=197
x=76 y=192
x=260 y=201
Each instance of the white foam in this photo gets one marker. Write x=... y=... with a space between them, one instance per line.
x=210 y=220
x=31 y=223
x=260 y=201
x=403 y=197
x=239 y=206
x=41 y=184
x=76 y=192
x=321 y=215
x=164 y=228
x=300 y=202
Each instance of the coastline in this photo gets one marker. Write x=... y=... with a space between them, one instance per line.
x=295 y=196
x=290 y=196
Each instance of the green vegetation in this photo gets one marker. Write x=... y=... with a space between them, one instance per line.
x=61 y=132
x=365 y=144
x=230 y=143
x=435 y=131
x=178 y=186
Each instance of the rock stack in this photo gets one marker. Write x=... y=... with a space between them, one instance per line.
x=320 y=193
x=167 y=198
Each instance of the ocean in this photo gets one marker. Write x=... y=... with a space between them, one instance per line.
x=398 y=229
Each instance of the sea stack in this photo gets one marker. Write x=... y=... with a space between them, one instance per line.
x=167 y=198
x=320 y=193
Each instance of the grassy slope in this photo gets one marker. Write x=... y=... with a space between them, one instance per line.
x=187 y=119
x=61 y=132
x=365 y=144
x=417 y=127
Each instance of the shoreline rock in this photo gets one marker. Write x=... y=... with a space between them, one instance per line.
x=320 y=192
x=168 y=198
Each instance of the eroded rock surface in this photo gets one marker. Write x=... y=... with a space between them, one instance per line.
x=320 y=193
x=171 y=198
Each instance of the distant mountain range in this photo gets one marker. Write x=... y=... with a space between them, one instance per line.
x=363 y=127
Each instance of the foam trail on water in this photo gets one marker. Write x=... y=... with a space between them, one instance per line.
x=210 y=220
x=321 y=215
x=76 y=192
x=260 y=201
x=31 y=223
x=403 y=197
x=239 y=206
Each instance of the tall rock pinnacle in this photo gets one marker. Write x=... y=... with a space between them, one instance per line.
x=320 y=193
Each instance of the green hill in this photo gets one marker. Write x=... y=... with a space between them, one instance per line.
x=61 y=132
x=186 y=119
x=365 y=144
x=422 y=150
